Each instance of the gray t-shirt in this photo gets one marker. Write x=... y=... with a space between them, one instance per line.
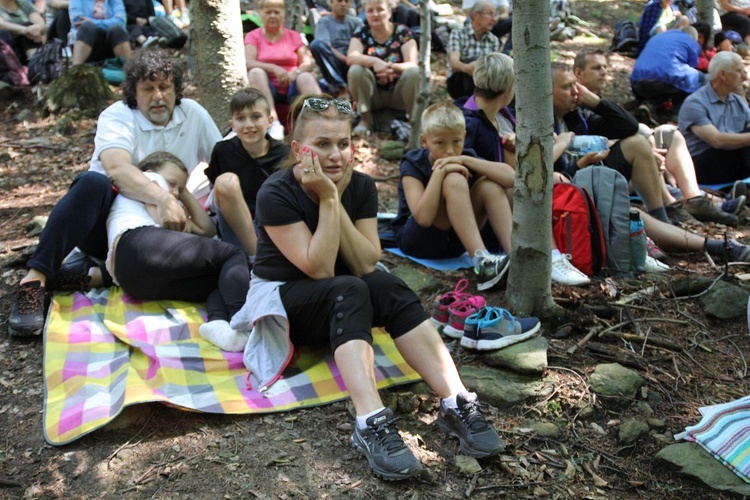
x=703 y=107
x=336 y=32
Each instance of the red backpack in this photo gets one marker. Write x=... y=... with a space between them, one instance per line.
x=576 y=228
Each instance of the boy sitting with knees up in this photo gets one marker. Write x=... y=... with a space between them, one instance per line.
x=240 y=165
x=450 y=201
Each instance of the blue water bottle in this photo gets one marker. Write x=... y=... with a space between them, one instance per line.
x=638 y=250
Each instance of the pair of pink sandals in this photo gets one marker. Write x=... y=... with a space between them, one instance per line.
x=451 y=309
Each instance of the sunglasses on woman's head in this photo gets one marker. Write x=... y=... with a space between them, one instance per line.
x=321 y=104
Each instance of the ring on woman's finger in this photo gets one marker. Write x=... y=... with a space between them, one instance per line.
x=306 y=170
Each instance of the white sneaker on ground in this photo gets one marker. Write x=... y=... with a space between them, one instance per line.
x=565 y=273
x=655 y=266
x=276 y=130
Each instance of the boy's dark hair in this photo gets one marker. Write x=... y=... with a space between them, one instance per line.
x=248 y=98
x=150 y=65
x=155 y=161
x=703 y=28
x=582 y=57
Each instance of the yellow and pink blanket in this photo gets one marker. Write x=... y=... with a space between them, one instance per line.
x=104 y=351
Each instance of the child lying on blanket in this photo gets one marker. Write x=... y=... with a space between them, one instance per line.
x=153 y=263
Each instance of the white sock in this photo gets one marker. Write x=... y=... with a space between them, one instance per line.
x=220 y=334
x=556 y=254
x=362 y=419
x=449 y=402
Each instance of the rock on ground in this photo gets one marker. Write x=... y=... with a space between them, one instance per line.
x=615 y=381
x=692 y=460
x=529 y=357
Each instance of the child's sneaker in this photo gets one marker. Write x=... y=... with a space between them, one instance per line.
x=500 y=329
x=491 y=269
x=470 y=337
x=458 y=314
x=467 y=423
x=440 y=308
x=384 y=449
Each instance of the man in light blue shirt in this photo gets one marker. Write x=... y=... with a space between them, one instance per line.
x=715 y=120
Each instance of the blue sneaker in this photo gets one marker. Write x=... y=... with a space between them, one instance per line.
x=500 y=329
x=470 y=337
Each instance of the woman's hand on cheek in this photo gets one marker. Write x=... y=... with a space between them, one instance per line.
x=342 y=184
x=313 y=178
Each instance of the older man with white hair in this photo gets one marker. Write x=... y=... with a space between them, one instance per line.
x=466 y=45
x=715 y=121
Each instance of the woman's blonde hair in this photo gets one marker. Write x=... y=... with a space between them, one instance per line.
x=265 y=3
x=493 y=73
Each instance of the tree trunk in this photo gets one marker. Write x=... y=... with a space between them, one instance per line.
x=425 y=44
x=294 y=12
x=216 y=33
x=706 y=11
x=529 y=279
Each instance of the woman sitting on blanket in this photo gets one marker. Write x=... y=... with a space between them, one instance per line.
x=315 y=267
x=153 y=263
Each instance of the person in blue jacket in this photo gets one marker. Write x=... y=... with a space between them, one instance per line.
x=99 y=29
x=667 y=68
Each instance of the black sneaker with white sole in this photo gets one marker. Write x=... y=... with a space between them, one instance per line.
x=491 y=271
x=384 y=449
x=467 y=423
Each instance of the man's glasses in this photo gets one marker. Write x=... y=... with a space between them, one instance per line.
x=321 y=104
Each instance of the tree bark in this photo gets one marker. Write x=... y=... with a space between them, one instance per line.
x=216 y=32
x=705 y=10
x=529 y=279
x=425 y=44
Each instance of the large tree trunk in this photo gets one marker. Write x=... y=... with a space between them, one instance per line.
x=529 y=279
x=216 y=33
x=706 y=11
x=425 y=44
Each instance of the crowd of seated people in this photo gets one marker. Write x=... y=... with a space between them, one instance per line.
x=300 y=215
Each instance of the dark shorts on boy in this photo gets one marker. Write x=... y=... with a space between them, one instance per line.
x=433 y=243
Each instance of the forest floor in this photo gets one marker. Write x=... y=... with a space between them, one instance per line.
x=161 y=452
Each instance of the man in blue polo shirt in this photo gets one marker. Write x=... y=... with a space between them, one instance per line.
x=715 y=119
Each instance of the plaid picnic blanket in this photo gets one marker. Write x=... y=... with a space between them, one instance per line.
x=104 y=351
x=724 y=432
